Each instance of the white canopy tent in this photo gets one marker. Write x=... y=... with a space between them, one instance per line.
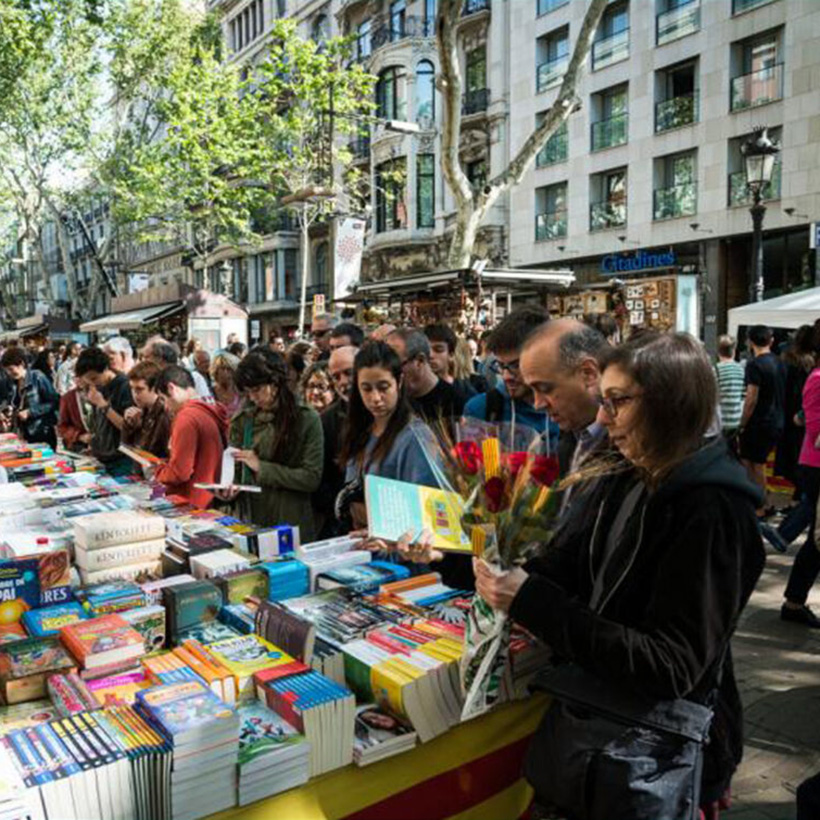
x=788 y=312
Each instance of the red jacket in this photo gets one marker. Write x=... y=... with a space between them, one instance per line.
x=199 y=434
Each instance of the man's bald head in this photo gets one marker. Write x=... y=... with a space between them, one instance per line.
x=340 y=368
x=559 y=362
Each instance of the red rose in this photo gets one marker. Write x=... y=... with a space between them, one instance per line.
x=545 y=470
x=515 y=461
x=468 y=454
x=494 y=494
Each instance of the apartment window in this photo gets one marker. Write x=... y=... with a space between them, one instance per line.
x=320 y=270
x=240 y=282
x=430 y=12
x=552 y=58
x=398 y=12
x=476 y=73
x=676 y=189
x=320 y=31
x=551 y=212
x=363 y=47
x=608 y=194
x=759 y=71
x=677 y=19
x=676 y=89
x=425 y=191
x=612 y=39
x=612 y=126
x=737 y=188
x=260 y=292
x=391 y=94
x=391 y=212
x=291 y=274
x=425 y=93
x=477 y=173
x=739 y=6
x=546 y=6
x=247 y=25
x=556 y=148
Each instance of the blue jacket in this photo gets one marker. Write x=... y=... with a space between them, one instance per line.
x=42 y=402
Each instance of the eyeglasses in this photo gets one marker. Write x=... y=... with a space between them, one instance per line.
x=315 y=387
x=341 y=374
x=612 y=405
x=498 y=367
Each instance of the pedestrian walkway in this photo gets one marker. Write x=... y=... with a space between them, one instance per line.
x=777 y=666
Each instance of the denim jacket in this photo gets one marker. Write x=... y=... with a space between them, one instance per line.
x=41 y=400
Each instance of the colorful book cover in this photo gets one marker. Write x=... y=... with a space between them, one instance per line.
x=99 y=635
x=119 y=690
x=375 y=727
x=183 y=707
x=247 y=654
x=12 y=632
x=21 y=715
x=245 y=583
x=207 y=634
x=33 y=656
x=262 y=731
x=396 y=507
x=192 y=604
x=149 y=621
x=19 y=588
x=50 y=620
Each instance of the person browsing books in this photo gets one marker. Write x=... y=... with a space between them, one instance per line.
x=280 y=446
x=148 y=423
x=641 y=595
x=198 y=437
x=382 y=436
x=33 y=401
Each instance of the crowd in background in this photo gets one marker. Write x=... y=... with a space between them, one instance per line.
x=657 y=552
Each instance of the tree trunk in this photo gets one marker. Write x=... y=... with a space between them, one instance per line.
x=472 y=206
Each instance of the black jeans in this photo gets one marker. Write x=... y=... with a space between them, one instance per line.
x=807 y=563
x=808 y=799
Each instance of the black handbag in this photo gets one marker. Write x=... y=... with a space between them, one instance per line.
x=603 y=753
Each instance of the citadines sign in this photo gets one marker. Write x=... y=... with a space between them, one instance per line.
x=638 y=261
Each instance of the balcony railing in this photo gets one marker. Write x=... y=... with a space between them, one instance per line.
x=603 y=215
x=393 y=33
x=739 y=6
x=474 y=6
x=676 y=23
x=551 y=72
x=555 y=150
x=679 y=200
x=739 y=193
x=757 y=88
x=610 y=50
x=546 y=6
x=677 y=112
x=611 y=132
x=551 y=225
x=475 y=101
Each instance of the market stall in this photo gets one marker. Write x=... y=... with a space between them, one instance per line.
x=786 y=312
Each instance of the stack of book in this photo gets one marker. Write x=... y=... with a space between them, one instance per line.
x=25 y=665
x=219 y=678
x=238 y=586
x=70 y=694
x=240 y=617
x=118 y=546
x=153 y=590
x=273 y=756
x=118 y=690
x=16 y=801
x=108 y=598
x=286 y=579
x=149 y=756
x=244 y=656
x=287 y=630
x=219 y=562
x=149 y=621
x=379 y=735
x=207 y=633
x=188 y=543
x=48 y=621
x=421 y=590
x=329 y=660
x=104 y=645
x=362 y=577
x=204 y=734
x=320 y=709
x=190 y=605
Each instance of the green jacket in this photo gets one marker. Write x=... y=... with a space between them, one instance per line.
x=287 y=484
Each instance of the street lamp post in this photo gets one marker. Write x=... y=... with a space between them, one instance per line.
x=759 y=154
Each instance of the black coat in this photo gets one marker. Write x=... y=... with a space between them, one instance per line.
x=675 y=586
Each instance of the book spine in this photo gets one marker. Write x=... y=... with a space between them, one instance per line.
x=121 y=573
x=120 y=555
x=92 y=534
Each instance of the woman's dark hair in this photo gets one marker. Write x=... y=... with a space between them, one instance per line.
x=801 y=352
x=41 y=363
x=91 y=360
x=263 y=366
x=678 y=393
x=13 y=357
x=360 y=420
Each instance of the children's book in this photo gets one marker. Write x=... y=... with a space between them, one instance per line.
x=19 y=588
x=396 y=507
x=262 y=732
x=103 y=641
x=51 y=619
x=24 y=666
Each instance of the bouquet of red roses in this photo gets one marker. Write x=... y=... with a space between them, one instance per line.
x=506 y=477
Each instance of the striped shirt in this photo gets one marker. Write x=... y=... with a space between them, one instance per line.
x=730 y=378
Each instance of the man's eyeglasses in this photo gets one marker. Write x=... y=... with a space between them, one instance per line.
x=498 y=367
x=613 y=404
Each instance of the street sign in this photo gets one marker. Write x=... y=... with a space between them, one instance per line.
x=814 y=236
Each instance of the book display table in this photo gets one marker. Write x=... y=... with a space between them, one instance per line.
x=473 y=772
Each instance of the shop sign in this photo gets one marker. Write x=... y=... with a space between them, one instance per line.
x=638 y=261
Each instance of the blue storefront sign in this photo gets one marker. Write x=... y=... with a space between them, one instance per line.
x=638 y=261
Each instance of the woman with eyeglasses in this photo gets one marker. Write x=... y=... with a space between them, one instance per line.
x=318 y=387
x=382 y=436
x=280 y=446
x=641 y=596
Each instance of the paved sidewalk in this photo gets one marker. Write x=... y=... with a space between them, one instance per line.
x=777 y=666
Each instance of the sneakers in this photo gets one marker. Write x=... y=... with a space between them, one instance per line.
x=777 y=541
x=803 y=615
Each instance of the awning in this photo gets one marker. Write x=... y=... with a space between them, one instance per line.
x=787 y=312
x=132 y=319
x=33 y=330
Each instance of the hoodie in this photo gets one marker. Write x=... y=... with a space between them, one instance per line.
x=672 y=589
x=198 y=438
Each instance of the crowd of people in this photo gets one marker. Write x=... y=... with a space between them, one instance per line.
x=662 y=452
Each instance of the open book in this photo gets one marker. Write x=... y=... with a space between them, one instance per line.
x=142 y=457
x=226 y=481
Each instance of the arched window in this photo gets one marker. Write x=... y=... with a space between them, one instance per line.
x=391 y=94
x=425 y=92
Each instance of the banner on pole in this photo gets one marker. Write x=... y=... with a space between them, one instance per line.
x=348 y=254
